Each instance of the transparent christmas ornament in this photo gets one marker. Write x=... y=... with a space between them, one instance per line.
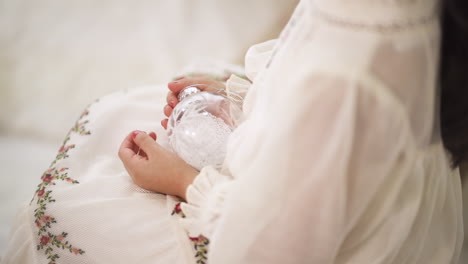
x=200 y=125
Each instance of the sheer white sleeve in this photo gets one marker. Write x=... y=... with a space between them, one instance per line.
x=205 y=198
x=319 y=160
x=339 y=159
x=257 y=57
x=237 y=85
x=255 y=61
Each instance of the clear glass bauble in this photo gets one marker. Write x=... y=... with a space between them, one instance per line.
x=200 y=125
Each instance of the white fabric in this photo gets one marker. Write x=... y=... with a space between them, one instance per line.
x=257 y=57
x=238 y=85
x=207 y=195
x=236 y=90
x=105 y=214
x=339 y=159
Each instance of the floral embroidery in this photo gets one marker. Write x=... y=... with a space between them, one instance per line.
x=63 y=152
x=79 y=126
x=80 y=129
x=200 y=243
x=201 y=247
x=49 y=242
x=178 y=211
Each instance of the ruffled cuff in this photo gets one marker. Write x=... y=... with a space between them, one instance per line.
x=236 y=90
x=205 y=197
x=237 y=85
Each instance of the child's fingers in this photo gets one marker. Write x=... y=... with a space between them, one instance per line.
x=126 y=150
x=146 y=144
x=139 y=153
x=167 y=110
x=176 y=86
x=164 y=123
x=190 y=76
x=200 y=82
x=153 y=135
x=171 y=99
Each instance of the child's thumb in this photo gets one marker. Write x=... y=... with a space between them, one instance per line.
x=144 y=142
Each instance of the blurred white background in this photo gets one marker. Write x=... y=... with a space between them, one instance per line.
x=57 y=56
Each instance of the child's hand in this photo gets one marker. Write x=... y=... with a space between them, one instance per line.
x=154 y=168
x=201 y=82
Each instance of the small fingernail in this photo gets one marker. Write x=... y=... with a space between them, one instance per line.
x=136 y=132
x=172 y=104
x=175 y=82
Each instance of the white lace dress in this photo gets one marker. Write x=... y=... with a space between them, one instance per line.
x=338 y=159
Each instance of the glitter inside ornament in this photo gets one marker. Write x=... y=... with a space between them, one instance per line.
x=199 y=127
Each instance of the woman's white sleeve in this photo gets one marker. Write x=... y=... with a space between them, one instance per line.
x=205 y=198
x=257 y=57
x=310 y=168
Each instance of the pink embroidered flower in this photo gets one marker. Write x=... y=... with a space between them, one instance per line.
x=38 y=224
x=63 y=169
x=64 y=148
x=196 y=239
x=84 y=113
x=75 y=251
x=177 y=208
x=45 y=240
x=45 y=218
x=41 y=193
x=47 y=178
x=69 y=180
x=59 y=238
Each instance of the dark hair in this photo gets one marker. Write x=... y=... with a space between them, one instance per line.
x=454 y=79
